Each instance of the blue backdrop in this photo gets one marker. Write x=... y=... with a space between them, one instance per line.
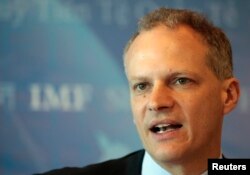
x=63 y=94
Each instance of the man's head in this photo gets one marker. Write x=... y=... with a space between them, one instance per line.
x=179 y=87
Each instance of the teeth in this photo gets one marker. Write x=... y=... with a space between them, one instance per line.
x=161 y=128
x=162 y=125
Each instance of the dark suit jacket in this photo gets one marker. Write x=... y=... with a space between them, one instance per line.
x=128 y=165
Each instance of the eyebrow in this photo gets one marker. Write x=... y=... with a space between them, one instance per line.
x=168 y=75
x=137 y=79
x=142 y=78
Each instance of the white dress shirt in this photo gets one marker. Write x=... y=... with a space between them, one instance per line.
x=150 y=167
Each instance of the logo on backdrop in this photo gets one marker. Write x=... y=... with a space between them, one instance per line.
x=74 y=97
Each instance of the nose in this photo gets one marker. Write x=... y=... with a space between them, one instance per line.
x=161 y=98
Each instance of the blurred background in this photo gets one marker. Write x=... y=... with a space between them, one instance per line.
x=64 y=98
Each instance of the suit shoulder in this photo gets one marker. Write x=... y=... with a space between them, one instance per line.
x=129 y=163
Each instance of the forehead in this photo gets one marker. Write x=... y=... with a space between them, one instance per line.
x=163 y=44
x=181 y=34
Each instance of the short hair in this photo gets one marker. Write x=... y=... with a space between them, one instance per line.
x=219 y=56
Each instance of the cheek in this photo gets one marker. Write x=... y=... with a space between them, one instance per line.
x=137 y=116
x=138 y=110
x=204 y=115
x=138 y=107
x=135 y=111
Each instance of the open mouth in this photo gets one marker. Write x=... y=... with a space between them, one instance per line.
x=161 y=128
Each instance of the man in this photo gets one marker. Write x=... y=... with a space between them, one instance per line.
x=180 y=74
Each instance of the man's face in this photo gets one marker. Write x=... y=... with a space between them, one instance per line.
x=177 y=101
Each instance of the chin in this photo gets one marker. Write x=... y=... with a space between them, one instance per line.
x=167 y=153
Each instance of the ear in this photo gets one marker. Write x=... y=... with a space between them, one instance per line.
x=232 y=94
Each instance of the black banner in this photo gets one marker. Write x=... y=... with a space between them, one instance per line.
x=228 y=166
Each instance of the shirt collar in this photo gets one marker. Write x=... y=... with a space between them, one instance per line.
x=149 y=166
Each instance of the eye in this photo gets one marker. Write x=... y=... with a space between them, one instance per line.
x=182 y=81
x=140 y=86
